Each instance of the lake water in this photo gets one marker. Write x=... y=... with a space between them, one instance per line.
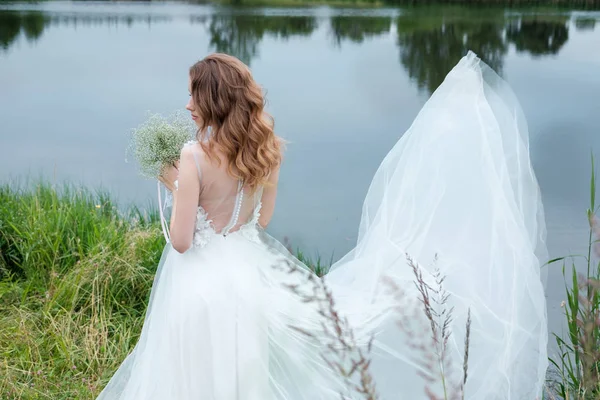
x=342 y=84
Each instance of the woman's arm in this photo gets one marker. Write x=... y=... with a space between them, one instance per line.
x=185 y=202
x=268 y=199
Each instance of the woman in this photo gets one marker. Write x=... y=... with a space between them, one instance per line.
x=232 y=315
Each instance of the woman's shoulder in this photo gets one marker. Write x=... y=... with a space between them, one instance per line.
x=193 y=147
x=192 y=143
x=193 y=151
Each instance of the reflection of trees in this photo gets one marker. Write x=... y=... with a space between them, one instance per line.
x=110 y=20
x=429 y=52
x=11 y=23
x=357 y=29
x=10 y=26
x=585 y=24
x=198 y=19
x=235 y=36
x=431 y=40
x=239 y=35
x=538 y=36
x=33 y=23
x=431 y=45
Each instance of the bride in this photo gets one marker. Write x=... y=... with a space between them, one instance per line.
x=452 y=225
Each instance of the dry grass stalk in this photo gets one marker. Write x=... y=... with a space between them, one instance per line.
x=466 y=355
x=589 y=339
x=344 y=354
x=436 y=367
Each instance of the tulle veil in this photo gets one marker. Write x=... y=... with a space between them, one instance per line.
x=458 y=195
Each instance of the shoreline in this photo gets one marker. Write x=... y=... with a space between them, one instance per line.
x=75 y=275
x=577 y=5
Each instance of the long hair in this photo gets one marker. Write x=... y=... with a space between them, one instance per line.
x=231 y=103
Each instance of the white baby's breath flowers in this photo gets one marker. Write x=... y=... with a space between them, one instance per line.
x=158 y=141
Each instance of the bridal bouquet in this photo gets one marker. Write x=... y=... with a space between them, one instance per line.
x=158 y=141
x=156 y=144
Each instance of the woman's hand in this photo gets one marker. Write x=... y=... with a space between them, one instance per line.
x=169 y=175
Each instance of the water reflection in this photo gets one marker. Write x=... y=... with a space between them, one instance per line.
x=585 y=24
x=240 y=35
x=539 y=36
x=428 y=51
x=430 y=40
x=32 y=24
x=109 y=20
x=357 y=29
x=430 y=46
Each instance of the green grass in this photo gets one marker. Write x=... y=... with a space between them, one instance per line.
x=576 y=368
x=76 y=272
x=316 y=264
x=75 y=276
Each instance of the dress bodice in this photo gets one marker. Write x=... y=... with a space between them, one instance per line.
x=205 y=229
x=225 y=205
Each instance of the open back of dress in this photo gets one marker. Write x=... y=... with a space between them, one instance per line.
x=226 y=202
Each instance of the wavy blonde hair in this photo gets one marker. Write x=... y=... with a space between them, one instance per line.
x=228 y=100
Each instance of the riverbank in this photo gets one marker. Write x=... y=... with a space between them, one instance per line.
x=76 y=273
x=75 y=276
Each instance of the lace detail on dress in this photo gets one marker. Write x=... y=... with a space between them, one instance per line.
x=250 y=229
x=204 y=229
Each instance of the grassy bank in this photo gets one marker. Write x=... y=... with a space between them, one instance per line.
x=575 y=372
x=75 y=275
x=75 y=278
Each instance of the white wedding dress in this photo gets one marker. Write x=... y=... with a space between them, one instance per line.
x=222 y=324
